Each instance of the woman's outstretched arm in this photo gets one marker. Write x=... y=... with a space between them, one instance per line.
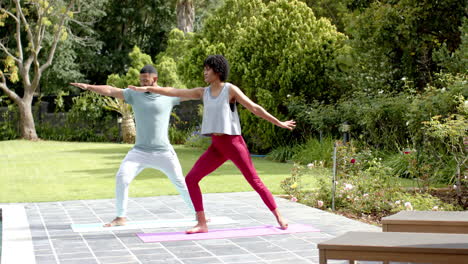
x=258 y=110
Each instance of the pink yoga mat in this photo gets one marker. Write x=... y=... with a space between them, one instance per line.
x=226 y=233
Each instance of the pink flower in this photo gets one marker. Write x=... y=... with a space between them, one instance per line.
x=293 y=199
x=348 y=187
x=353 y=161
x=319 y=204
x=408 y=206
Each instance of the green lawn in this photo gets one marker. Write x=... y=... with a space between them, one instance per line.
x=53 y=171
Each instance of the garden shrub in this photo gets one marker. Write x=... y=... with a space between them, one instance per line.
x=364 y=185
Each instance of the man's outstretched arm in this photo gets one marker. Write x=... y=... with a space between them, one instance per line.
x=106 y=90
x=184 y=94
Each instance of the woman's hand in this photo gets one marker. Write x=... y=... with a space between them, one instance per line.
x=290 y=124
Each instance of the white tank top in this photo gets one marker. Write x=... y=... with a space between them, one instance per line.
x=219 y=116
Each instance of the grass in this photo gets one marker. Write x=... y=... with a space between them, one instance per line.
x=59 y=171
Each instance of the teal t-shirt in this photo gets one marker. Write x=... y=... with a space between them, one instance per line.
x=152 y=114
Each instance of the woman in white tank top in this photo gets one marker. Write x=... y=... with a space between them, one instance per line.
x=221 y=122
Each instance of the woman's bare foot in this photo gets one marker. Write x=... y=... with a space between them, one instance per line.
x=118 y=221
x=199 y=228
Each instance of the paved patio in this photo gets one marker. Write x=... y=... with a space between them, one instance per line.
x=55 y=242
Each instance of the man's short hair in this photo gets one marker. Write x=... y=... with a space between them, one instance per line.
x=219 y=65
x=149 y=69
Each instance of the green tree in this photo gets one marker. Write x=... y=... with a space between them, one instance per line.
x=276 y=49
x=39 y=27
x=394 y=41
x=128 y=23
x=455 y=62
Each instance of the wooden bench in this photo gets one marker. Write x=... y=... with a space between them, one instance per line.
x=427 y=222
x=396 y=246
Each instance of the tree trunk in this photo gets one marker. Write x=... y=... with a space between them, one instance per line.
x=128 y=129
x=185 y=15
x=27 y=126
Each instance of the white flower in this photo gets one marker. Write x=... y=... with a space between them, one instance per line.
x=435 y=208
x=348 y=186
x=365 y=195
x=319 y=204
x=310 y=165
x=409 y=206
x=288 y=95
x=455 y=186
x=403 y=79
x=398 y=202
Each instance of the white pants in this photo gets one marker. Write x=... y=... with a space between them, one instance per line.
x=135 y=162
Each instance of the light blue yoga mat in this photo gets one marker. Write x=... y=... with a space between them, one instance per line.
x=96 y=227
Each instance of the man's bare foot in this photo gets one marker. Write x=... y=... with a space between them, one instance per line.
x=199 y=228
x=118 y=221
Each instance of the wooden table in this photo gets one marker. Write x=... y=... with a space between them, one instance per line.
x=396 y=246
x=427 y=222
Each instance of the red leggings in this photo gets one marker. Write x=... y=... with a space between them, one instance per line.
x=226 y=147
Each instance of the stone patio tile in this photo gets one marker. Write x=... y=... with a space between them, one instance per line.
x=46 y=259
x=225 y=250
x=261 y=247
x=240 y=258
x=68 y=256
x=112 y=253
x=209 y=260
x=116 y=260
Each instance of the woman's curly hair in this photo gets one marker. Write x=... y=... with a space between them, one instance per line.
x=219 y=65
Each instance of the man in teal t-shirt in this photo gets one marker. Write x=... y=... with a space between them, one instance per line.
x=152 y=147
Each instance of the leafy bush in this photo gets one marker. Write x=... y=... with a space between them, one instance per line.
x=8 y=129
x=282 y=154
x=369 y=191
x=86 y=121
x=315 y=150
x=178 y=136
x=196 y=140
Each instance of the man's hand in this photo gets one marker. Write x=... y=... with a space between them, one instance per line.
x=290 y=124
x=83 y=86
x=138 y=89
